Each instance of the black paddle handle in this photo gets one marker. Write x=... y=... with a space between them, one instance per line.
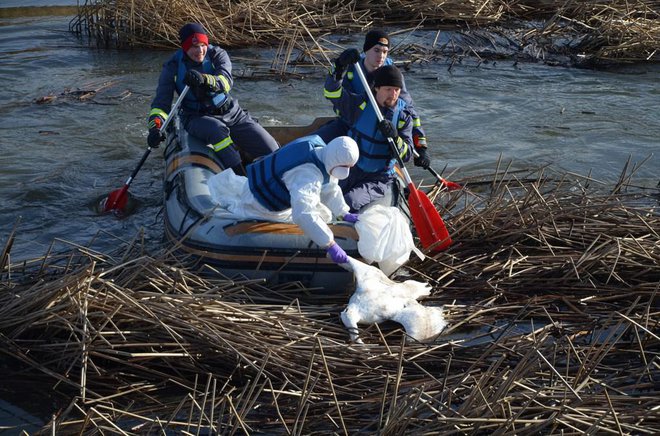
x=139 y=165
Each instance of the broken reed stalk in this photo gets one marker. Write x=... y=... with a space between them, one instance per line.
x=550 y=292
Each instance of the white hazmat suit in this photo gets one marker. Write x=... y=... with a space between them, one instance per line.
x=313 y=203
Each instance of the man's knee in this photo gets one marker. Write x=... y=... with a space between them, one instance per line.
x=207 y=129
x=261 y=144
x=229 y=157
x=357 y=199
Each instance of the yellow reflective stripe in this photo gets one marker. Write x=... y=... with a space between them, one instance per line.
x=225 y=83
x=159 y=112
x=349 y=75
x=417 y=122
x=402 y=146
x=223 y=144
x=363 y=105
x=211 y=80
x=332 y=94
x=400 y=124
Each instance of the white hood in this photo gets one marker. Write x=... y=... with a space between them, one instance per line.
x=339 y=155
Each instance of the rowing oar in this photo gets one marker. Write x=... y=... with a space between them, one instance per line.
x=118 y=198
x=451 y=186
x=428 y=223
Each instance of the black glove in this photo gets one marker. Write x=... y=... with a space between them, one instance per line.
x=423 y=160
x=194 y=79
x=155 y=137
x=208 y=82
x=348 y=57
x=387 y=129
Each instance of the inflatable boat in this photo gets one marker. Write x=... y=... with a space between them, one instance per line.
x=273 y=252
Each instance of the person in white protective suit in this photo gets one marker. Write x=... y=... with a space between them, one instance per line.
x=298 y=182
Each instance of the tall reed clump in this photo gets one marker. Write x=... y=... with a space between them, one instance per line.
x=598 y=31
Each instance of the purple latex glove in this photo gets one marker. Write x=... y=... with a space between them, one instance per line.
x=351 y=217
x=337 y=254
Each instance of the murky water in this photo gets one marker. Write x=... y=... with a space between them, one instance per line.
x=57 y=158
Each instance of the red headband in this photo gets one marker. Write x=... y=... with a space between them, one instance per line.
x=195 y=38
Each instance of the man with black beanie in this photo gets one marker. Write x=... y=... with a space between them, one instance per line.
x=375 y=54
x=372 y=177
x=208 y=111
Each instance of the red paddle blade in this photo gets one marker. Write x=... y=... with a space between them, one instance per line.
x=452 y=186
x=428 y=223
x=116 y=200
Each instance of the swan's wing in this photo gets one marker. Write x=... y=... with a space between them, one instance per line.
x=416 y=290
x=408 y=290
x=421 y=323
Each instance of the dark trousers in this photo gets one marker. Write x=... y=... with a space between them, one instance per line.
x=248 y=137
x=361 y=188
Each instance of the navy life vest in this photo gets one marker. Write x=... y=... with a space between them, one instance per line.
x=190 y=102
x=265 y=175
x=375 y=150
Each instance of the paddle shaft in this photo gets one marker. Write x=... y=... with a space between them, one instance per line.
x=117 y=199
x=177 y=103
x=444 y=182
x=433 y=172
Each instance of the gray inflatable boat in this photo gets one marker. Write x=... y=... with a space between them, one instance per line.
x=243 y=249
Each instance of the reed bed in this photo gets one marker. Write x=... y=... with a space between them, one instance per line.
x=592 y=32
x=550 y=291
x=617 y=31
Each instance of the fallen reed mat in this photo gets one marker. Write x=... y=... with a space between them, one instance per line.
x=550 y=292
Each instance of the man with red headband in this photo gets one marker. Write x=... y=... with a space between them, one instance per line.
x=208 y=111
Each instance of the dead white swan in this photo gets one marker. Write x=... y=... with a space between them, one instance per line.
x=377 y=299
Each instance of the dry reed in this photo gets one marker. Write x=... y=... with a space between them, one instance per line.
x=588 y=32
x=550 y=291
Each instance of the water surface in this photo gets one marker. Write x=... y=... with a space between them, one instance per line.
x=57 y=158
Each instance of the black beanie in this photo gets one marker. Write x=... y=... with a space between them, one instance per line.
x=190 y=29
x=388 y=75
x=375 y=37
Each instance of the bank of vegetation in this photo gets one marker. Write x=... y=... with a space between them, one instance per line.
x=584 y=32
x=550 y=291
